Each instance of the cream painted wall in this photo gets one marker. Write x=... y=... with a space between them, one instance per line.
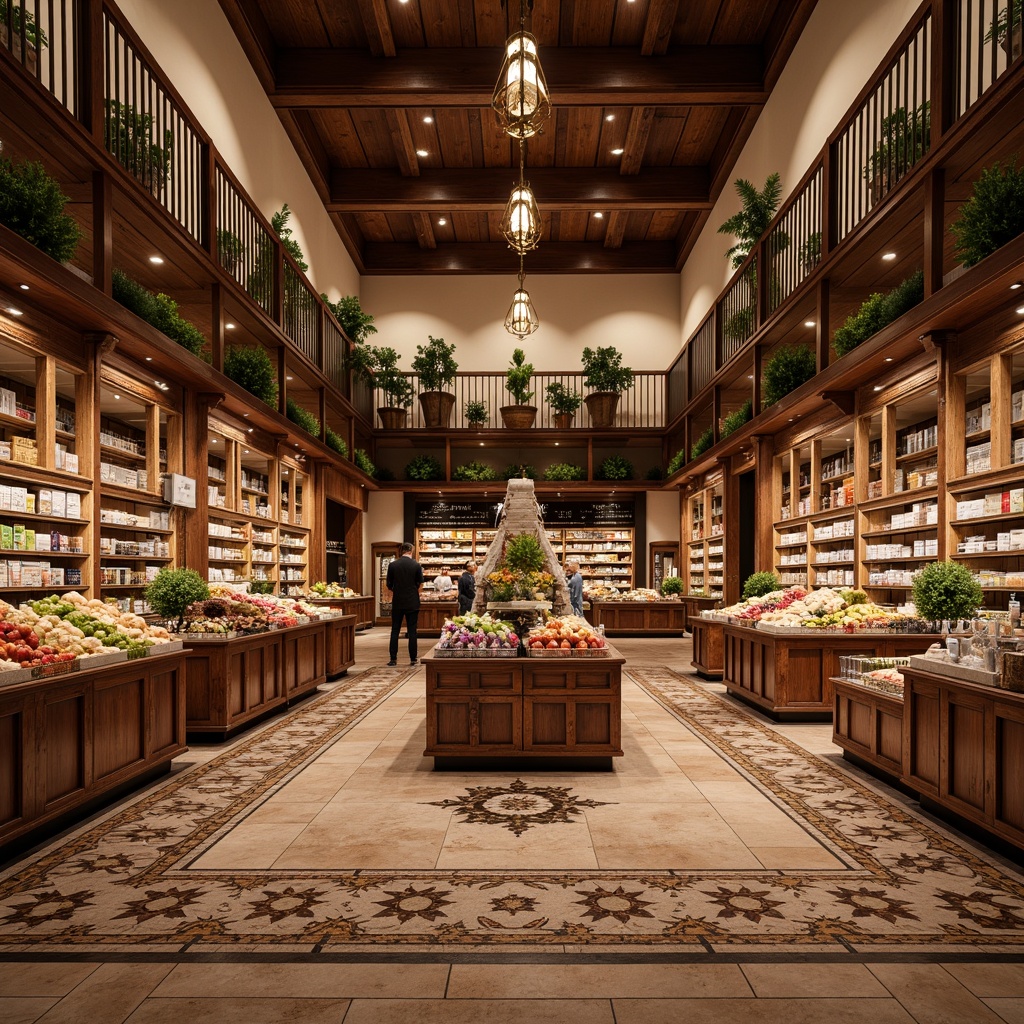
x=837 y=52
x=638 y=313
x=194 y=45
x=662 y=515
x=385 y=521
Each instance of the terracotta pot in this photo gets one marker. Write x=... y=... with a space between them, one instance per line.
x=518 y=417
x=563 y=420
x=437 y=408
x=602 y=406
x=392 y=417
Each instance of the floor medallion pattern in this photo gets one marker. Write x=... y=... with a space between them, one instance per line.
x=518 y=806
x=129 y=881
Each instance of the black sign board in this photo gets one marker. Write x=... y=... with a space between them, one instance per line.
x=484 y=514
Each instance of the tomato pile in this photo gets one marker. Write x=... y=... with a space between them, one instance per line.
x=568 y=633
x=20 y=644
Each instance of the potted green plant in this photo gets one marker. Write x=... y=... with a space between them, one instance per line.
x=736 y=419
x=607 y=378
x=752 y=221
x=702 y=444
x=21 y=23
x=32 y=205
x=382 y=372
x=349 y=313
x=130 y=138
x=946 y=592
x=785 y=371
x=671 y=586
x=993 y=216
x=517 y=382
x=230 y=250
x=759 y=584
x=565 y=401
x=436 y=366
x=173 y=590
x=424 y=467
x=475 y=413
x=615 y=467
x=476 y=471
x=252 y=368
x=904 y=137
x=565 y=471
x=1009 y=40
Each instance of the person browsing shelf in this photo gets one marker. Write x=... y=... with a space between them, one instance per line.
x=574 y=579
x=404 y=579
x=467 y=587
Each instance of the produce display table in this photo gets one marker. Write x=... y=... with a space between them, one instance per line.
x=963 y=749
x=868 y=725
x=361 y=607
x=433 y=615
x=524 y=707
x=233 y=682
x=789 y=674
x=639 y=618
x=708 y=645
x=695 y=604
x=341 y=644
x=75 y=741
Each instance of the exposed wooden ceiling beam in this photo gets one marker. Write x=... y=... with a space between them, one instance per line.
x=661 y=16
x=791 y=17
x=464 y=77
x=401 y=138
x=640 y=121
x=424 y=230
x=249 y=25
x=378 y=27
x=577 y=188
x=496 y=258
x=615 y=232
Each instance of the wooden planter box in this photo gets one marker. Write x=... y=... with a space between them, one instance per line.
x=868 y=725
x=71 y=743
x=639 y=618
x=789 y=675
x=708 y=646
x=234 y=682
x=524 y=707
x=341 y=645
x=964 y=751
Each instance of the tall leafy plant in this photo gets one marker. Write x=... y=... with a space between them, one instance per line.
x=435 y=363
x=993 y=216
x=517 y=378
x=946 y=590
x=133 y=139
x=751 y=222
x=603 y=369
x=279 y=222
x=356 y=323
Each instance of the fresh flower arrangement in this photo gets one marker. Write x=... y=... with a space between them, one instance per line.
x=520 y=575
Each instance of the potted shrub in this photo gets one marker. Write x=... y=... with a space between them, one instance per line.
x=364 y=462
x=173 y=590
x=303 y=417
x=253 y=369
x=946 y=592
x=565 y=471
x=677 y=462
x=904 y=139
x=34 y=35
x=615 y=467
x=424 y=467
x=702 y=444
x=354 y=322
x=520 y=471
x=517 y=383
x=607 y=378
x=759 y=584
x=380 y=370
x=876 y=312
x=436 y=366
x=785 y=371
x=565 y=401
x=129 y=137
x=736 y=419
x=1009 y=40
x=475 y=470
x=475 y=413
x=32 y=205
x=336 y=441
x=993 y=216
x=672 y=586
x=752 y=221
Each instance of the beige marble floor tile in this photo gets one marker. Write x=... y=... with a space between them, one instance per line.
x=796 y=857
x=932 y=995
x=1010 y=1010
x=802 y=981
x=318 y=782
x=251 y=845
x=608 y=981
x=298 y=981
x=282 y=810
x=999 y=980
x=42 y=979
x=108 y=995
x=561 y=845
x=760 y=1011
x=239 y=1011
x=23 y=1009
x=479 y=1011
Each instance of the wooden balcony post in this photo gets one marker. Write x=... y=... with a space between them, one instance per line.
x=829 y=200
x=322 y=409
x=217 y=326
x=943 y=69
x=208 y=201
x=822 y=335
x=762 y=269
x=102 y=232
x=89 y=67
x=934 y=224
x=282 y=380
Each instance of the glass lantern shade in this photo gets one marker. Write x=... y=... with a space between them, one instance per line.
x=521 y=319
x=521 y=102
x=520 y=224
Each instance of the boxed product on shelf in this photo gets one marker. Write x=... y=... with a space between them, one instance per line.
x=979 y=458
x=8 y=402
x=874 y=489
x=1018 y=449
x=979 y=418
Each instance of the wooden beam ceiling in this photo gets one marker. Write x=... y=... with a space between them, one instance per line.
x=460 y=77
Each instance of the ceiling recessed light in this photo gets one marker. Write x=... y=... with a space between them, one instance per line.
x=422 y=152
x=599 y=215
x=888 y=359
x=441 y=222
x=810 y=323
x=1020 y=310
x=24 y=287
x=618 y=151
x=289 y=378
x=481 y=444
x=118 y=397
x=213 y=440
x=14 y=311
x=1013 y=287
x=790 y=419
x=428 y=120
x=246 y=451
x=888 y=256
x=250 y=431
x=156 y=259
x=609 y=117
x=246 y=415
x=230 y=327
x=750 y=376
x=878 y=387
x=149 y=359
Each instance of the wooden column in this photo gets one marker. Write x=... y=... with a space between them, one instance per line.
x=934 y=208
x=764 y=452
x=822 y=335
x=46 y=408
x=217 y=326
x=193 y=541
x=102 y=232
x=1001 y=435
x=153 y=450
x=888 y=448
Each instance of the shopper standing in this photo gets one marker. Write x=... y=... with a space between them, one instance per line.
x=404 y=579
x=574 y=578
x=467 y=587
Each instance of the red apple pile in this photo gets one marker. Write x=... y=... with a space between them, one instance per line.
x=564 y=634
x=20 y=645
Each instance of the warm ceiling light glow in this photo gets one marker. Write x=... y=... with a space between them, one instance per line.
x=24 y=287
x=246 y=451
x=521 y=318
x=250 y=431
x=441 y=222
x=213 y=440
x=618 y=152
x=14 y=311
x=118 y=397
x=230 y=327
x=156 y=259
x=1020 y=310
x=428 y=120
x=289 y=378
x=422 y=152
x=888 y=359
x=520 y=102
x=810 y=323
x=878 y=387
x=888 y=256
x=599 y=215
x=520 y=223
x=1013 y=287
x=609 y=117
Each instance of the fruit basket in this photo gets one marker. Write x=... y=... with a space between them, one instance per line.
x=570 y=652
x=475 y=652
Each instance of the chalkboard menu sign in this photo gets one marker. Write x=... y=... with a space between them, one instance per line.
x=484 y=514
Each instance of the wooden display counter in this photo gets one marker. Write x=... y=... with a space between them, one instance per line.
x=789 y=675
x=341 y=645
x=231 y=683
x=708 y=646
x=433 y=615
x=524 y=707
x=639 y=618
x=70 y=743
x=868 y=725
x=361 y=607
x=694 y=605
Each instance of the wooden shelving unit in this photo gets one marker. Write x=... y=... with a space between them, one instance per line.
x=704 y=552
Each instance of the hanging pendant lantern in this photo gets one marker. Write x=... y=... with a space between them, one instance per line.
x=521 y=319
x=521 y=102
x=520 y=224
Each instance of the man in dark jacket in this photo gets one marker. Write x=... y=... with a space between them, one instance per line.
x=404 y=579
x=467 y=587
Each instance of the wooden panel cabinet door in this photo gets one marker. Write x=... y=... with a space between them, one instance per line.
x=962 y=751
x=578 y=724
x=921 y=736
x=1009 y=778
x=468 y=723
x=461 y=675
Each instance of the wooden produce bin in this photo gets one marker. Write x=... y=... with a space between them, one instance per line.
x=524 y=707
x=433 y=615
x=361 y=607
x=694 y=605
x=72 y=742
x=639 y=618
x=233 y=682
x=708 y=646
x=868 y=725
x=789 y=675
x=964 y=750
x=341 y=644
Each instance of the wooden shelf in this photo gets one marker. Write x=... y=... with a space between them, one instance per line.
x=914 y=456
x=35 y=517
x=121 y=453
x=23 y=554
x=16 y=422
x=986 y=481
x=159 y=531
x=148 y=498
x=899 y=561
x=106 y=556
x=899 y=530
x=898 y=499
x=974 y=555
x=37 y=475
x=1001 y=517
x=827 y=565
